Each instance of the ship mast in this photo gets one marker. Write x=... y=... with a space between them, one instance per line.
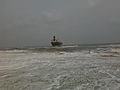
x=53 y=38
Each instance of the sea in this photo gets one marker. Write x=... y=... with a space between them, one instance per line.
x=74 y=67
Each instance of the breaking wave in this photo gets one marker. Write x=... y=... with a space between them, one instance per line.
x=61 y=68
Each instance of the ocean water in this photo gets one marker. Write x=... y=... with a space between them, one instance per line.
x=61 y=68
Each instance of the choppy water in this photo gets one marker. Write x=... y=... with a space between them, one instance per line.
x=63 y=68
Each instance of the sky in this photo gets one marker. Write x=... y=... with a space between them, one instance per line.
x=34 y=22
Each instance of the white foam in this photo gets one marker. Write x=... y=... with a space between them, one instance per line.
x=58 y=70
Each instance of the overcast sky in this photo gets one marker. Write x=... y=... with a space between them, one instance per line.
x=34 y=22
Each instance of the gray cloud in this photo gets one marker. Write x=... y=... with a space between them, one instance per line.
x=33 y=22
x=92 y=2
x=52 y=17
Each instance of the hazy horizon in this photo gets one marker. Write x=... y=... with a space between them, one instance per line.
x=34 y=22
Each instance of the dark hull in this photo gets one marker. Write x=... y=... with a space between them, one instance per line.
x=56 y=43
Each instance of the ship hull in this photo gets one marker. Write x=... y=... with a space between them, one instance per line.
x=56 y=43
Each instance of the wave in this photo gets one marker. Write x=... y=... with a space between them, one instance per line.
x=103 y=50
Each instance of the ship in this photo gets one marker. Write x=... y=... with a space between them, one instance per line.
x=55 y=42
